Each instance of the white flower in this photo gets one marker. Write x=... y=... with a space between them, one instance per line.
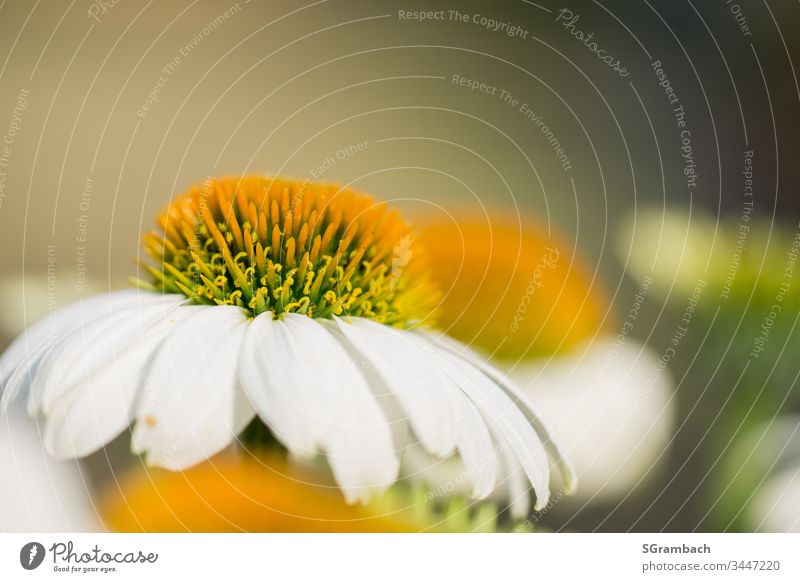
x=192 y=377
x=37 y=493
x=762 y=477
x=612 y=407
x=191 y=370
x=775 y=507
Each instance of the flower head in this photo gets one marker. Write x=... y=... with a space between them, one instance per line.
x=284 y=246
x=301 y=306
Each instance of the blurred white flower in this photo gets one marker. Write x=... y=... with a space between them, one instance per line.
x=612 y=409
x=764 y=474
x=37 y=493
x=776 y=506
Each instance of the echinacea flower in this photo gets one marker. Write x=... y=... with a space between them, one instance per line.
x=513 y=287
x=235 y=493
x=300 y=304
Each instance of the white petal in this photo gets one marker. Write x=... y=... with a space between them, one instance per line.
x=97 y=344
x=100 y=407
x=402 y=362
x=287 y=391
x=28 y=353
x=71 y=341
x=313 y=397
x=30 y=341
x=191 y=406
x=517 y=395
x=515 y=483
x=441 y=416
x=52 y=326
x=38 y=493
x=477 y=451
x=19 y=382
x=446 y=342
x=538 y=422
x=503 y=418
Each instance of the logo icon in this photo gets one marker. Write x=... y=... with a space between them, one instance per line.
x=31 y=555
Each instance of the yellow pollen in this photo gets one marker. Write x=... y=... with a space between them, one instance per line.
x=269 y=244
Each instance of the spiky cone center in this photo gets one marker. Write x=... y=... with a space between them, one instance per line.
x=268 y=244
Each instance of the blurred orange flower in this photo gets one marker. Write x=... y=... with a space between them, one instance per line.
x=511 y=288
x=235 y=493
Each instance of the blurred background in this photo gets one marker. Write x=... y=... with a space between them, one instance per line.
x=608 y=189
